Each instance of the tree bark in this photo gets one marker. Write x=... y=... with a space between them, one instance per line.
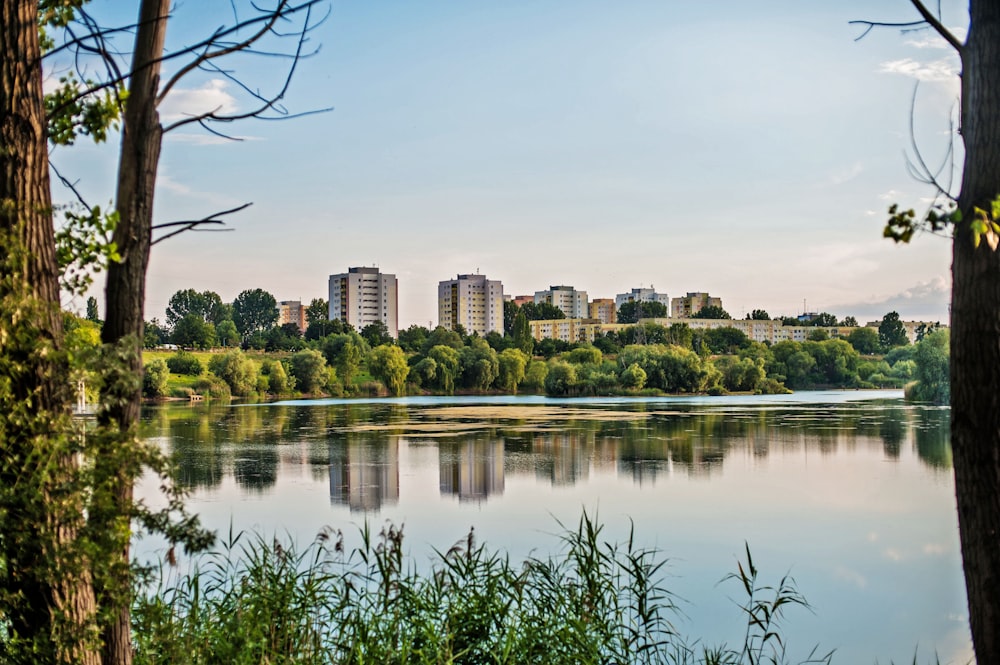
x=124 y=303
x=975 y=335
x=46 y=585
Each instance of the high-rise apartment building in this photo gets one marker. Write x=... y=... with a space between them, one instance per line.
x=573 y=303
x=362 y=296
x=685 y=307
x=643 y=295
x=604 y=310
x=472 y=301
x=292 y=311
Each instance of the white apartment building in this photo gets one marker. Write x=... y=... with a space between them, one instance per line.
x=472 y=301
x=643 y=295
x=362 y=296
x=573 y=303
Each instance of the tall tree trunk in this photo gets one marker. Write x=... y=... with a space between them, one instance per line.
x=46 y=585
x=975 y=336
x=124 y=301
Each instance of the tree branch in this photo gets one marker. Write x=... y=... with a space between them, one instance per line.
x=193 y=224
x=938 y=26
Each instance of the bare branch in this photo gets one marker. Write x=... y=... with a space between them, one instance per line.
x=195 y=224
x=938 y=26
x=871 y=25
x=927 y=20
x=919 y=170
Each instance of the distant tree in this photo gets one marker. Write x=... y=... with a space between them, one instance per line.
x=849 y=322
x=512 y=363
x=227 y=334
x=92 y=314
x=345 y=352
x=377 y=333
x=823 y=319
x=585 y=354
x=561 y=378
x=322 y=328
x=317 y=310
x=711 y=312
x=891 y=332
x=497 y=341
x=308 y=368
x=510 y=310
x=387 y=363
x=254 y=310
x=932 y=369
x=412 y=339
x=239 y=372
x=154 y=378
x=759 y=315
x=184 y=362
x=864 y=340
x=286 y=337
x=607 y=343
x=447 y=369
x=632 y=377
x=193 y=331
x=278 y=381
x=521 y=334
x=478 y=364
x=442 y=336
x=818 y=335
x=542 y=311
x=207 y=304
x=680 y=334
x=725 y=340
x=633 y=310
x=154 y=334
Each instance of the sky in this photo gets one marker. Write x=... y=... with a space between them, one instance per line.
x=746 y=149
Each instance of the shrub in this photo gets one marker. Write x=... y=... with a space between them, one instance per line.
x=154 y=378
x=186 y=363
x=238 y=371
x=308 y=367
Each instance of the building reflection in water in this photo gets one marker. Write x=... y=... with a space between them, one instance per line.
x=364 y=473
x=563 y=458
x=471 y=470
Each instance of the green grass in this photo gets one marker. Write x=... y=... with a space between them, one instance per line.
x=254 y=601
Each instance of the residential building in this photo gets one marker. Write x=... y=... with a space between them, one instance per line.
x=362 y=296
x=603 y=309
x=691 y=304
x=292 y=311
x=472 y=301
x=643 y=295
x=522 y=300
x=573 y=303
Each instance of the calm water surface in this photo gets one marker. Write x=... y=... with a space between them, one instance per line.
x=849 y=492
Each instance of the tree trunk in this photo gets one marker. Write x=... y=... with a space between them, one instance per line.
x=45 y=588
x=124 y=301
x=975 y=335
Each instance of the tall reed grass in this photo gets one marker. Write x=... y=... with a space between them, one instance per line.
x=591 y=602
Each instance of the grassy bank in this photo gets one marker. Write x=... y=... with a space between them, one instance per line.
x=591 y=602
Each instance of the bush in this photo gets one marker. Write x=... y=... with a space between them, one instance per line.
x=308 y=367
x=186 y=363
x=213 y=386
x=238 y=371
x=154 y=378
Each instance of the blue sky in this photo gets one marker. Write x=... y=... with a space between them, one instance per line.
x=747 y=149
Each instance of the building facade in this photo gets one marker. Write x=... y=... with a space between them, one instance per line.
x=472 y=301
x=292 y=311
x=362 y=296
x=643 y=295
x=604 y=310
x=573 y=303
x=692 y=303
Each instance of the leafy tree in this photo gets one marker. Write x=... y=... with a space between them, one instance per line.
x=864 y=340
x=193 y=331
x=423 y=372
x=849 y=322
x=511 y=366
x=542 y=311
x=607 y=343
x=317 y=310
x=632 y=377
x=585 y=354
x=447 y=367
x=633 y=310
x=711 y=312
x=521 y=334
x=286 y=337
x=412 y=339
x=818 y=335
x=154 y=378
x=254 y=310
x=561 y=378
x=931 y=369
x=239 y=372
x=345 y=352
x=227 y=334
x=183 y=362
x=322 y=328
x=478 y=364
x=891 y=332
x=377 y=333
x=308 y=368
x=154 y=334
x=823 y=319
x=725 y=340
x=278 y=381
x=92 y=314
x=759 y=315
x=387 y=363
x=510 y=312
x=534 y=375
x=442 y=336
x=741 y=374
x=207 y=304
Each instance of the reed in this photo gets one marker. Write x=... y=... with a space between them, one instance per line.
x=592 y=601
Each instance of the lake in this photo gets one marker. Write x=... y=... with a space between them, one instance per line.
x=849 y=492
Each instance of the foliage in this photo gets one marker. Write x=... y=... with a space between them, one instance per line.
x=585 y=355
x=931 y=361
x=478 y=365
x=154 y=378
x=84 y=246
x=254 y=310
x=412 y=339
x=377 y=333
x=632 y=377
x=278 y=381
x=227 y=334
x=633 y=310
x=864 y=340
x=535 y=374
x=194 y=332
x=323 y=328
x=207 y=305
x=238 y=371
x=345 y=352
x=541 y=311
x=317 y=310
x=759 y=315
x=154 y=334
x=725 y=340
x=511 y=364
x=308 y=368
x=711 y=312
x=446 y=371
x=521 y=334
x=891 y=332
x=441 y=336
x=387 y=363
x=183 y=362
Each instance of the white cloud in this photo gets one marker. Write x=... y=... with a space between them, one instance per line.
x=932 y=40
x=847 y=174
x=927 y=300
x=851 y=576
x=185 y=103
x=944 y=70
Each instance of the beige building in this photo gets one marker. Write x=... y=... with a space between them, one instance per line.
x=643 y=295
x=686 y=306
x=292 y=311
x=472 y=301
x=603 y=309
x=362 y=296
x=573 y=303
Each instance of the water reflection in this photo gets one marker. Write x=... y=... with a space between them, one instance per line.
x=358 y=445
